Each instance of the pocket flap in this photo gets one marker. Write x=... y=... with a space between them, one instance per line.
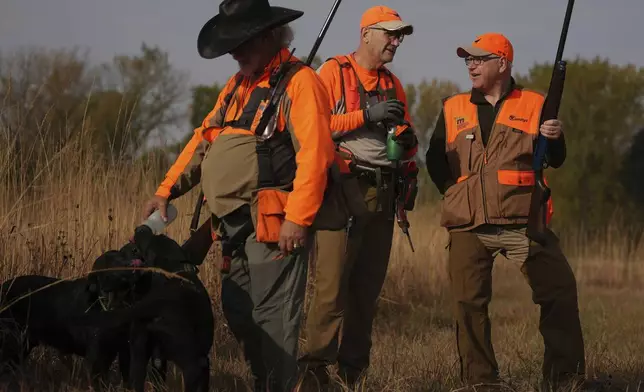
x=516 y=177
x=271 y=201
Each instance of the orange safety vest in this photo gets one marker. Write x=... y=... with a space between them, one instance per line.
x=355 y=96
x=494 y=182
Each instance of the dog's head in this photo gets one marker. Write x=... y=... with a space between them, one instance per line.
x=159 y=250
x=113 y=279
x=120 y=286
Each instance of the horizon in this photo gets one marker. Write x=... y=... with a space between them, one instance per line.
x=121 y=26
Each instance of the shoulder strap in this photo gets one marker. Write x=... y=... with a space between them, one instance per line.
x=226 y=102
x=342 y=65
x=278 y=83
x=345 y=66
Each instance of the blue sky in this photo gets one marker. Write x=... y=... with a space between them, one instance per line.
x=609 y=29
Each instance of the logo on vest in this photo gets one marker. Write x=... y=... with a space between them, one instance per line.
x=461 y=123
x=515 y=118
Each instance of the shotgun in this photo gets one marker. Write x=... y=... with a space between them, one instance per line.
x=536 y=229
x=266 y=115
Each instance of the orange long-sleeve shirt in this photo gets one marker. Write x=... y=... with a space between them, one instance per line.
x=303 y=111
x=343 y=122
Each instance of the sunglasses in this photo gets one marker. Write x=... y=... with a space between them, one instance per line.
x=391 y=34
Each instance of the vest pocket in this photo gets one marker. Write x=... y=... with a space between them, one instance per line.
x=457 y=208
x=515 y=190
x=270 y=214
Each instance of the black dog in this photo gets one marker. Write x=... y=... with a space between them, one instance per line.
x=41 y=318
x=172 y=314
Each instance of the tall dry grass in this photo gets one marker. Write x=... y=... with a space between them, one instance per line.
x=73 y=207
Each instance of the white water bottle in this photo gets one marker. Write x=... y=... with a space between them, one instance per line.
x=156 y=224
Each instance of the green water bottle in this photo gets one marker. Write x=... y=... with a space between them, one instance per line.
x=394 y=149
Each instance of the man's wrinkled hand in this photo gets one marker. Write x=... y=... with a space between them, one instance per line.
x=551 y=129
x=292 y=236
x=155 y=203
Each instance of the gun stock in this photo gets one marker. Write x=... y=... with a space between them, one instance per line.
x=199 y=242
x=537 y=224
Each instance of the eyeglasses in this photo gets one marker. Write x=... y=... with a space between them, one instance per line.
x=391 y=35
x=478 y=60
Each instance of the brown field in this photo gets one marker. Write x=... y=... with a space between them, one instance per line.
x=77 y=208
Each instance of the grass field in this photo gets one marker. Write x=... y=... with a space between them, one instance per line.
x=78 y=207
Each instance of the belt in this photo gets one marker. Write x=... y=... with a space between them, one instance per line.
x=375 y=175
x=367 y=167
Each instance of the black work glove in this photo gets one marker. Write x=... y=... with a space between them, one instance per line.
x=407 y=139
x=392 y=111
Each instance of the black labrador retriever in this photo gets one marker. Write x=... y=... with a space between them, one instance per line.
x=35 y=309
x=172 y=314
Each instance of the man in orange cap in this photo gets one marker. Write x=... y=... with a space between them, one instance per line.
x=480 y=159
x=369 y=108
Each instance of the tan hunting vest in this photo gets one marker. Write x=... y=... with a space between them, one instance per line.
x=494 y=182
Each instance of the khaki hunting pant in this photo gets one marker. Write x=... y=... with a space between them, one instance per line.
x=346 y=290
x=553 y=286
x=262 y=299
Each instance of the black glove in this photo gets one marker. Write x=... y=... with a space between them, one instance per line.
x=407 y=139
x=392 y=111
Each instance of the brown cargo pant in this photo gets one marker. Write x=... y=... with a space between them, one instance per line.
x=344 y=299
x=553 y=286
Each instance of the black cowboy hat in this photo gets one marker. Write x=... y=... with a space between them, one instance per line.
x=237 y=22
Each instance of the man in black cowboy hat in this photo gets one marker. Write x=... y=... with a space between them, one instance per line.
x=271 y=180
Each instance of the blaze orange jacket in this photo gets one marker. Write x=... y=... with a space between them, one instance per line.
x=303 y=111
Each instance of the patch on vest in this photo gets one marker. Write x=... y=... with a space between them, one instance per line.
x=515 y=118
x=461 y=123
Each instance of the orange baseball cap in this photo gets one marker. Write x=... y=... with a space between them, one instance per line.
x=386 y=18
x=486 y=44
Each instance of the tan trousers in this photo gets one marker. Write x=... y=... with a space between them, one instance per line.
x=346 y=290
x=554 y=289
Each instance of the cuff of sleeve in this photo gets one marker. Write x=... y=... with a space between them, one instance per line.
x=296 y=220
x=163 y=192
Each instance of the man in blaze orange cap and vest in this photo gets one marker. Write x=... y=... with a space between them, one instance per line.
x=480 y=159
x=368 y=107
x=267 y=182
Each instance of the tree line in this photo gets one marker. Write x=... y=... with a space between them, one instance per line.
x=50 y=96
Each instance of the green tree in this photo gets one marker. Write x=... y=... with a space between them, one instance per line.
x=203 y=101
x=424 y=103
x=140 y=95
x=602 y=107
x=44 y=93
x=55 y=95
